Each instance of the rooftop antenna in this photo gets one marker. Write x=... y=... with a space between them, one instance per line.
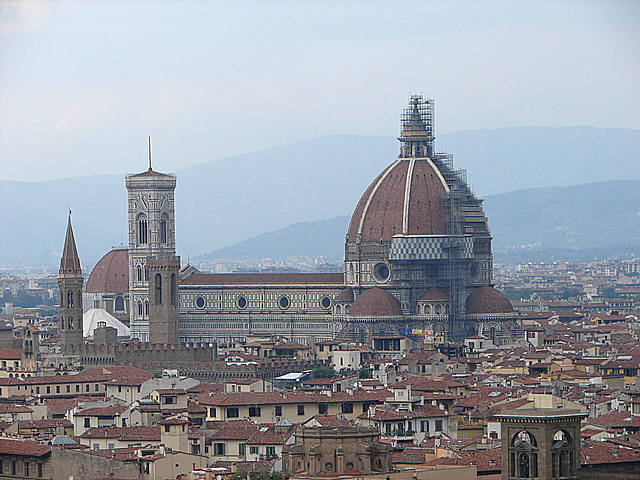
x=150 y=153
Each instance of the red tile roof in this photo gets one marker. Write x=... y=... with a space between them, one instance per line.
x=232 y=430
x=267 y=435
x=100 y=412
x=264 y=279
x=10 y=354
x=151 y=434
x=111 y=273
x=25 y=448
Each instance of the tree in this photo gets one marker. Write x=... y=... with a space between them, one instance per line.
x=324 y=372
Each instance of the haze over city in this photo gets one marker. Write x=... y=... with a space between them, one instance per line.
x=373 y=239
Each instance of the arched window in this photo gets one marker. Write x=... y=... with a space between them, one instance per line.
x=119 y=304
x=139 y=273
x=523 y=455
x=70 y=323
x=492 y=333
x=158 y=296
x=174 y=289
x=140 y=311
x=142 y=230
x=562 y=461
x=146 y=274
x=163 y=228
x=69 y=299
x=146 y=308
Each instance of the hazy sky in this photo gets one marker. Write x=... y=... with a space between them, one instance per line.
x=82 y=84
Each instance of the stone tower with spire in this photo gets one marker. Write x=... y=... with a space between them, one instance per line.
x=70 y=285
x=151 y=233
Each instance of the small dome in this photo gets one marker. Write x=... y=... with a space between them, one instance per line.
x=345 y=295
x=375 y=302
x=487 y=299
x=111 y=273
x=434 y=295
x=63 y=440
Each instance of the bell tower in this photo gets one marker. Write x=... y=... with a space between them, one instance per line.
x=540 y=443
x=151 y=219
x=163 y=299
x=70 y=286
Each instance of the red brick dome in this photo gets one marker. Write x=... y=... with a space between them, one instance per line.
x=487 y=299
x=111 y=273
x=375 y=302
x=434 y=295
x=345 y=295
x=392 y=205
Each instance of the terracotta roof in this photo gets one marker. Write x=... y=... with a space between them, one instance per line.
x=291 y=346
x=27 y=424
x=264 y=279
x=331 y=420
x=434 y=294
x=100 y=412
x=389 y=413
x=381 y=211
x=375 y=302
x=594 y=453
x=26 y=448
x=14 y=409
x=261 y=466
x=171 y=391
x=267 y=435
x=151 y=434
x=110 y=274
x=232 y=429
x=487 y=299
x=10 y=354
x=411 y=455
x=174 y=421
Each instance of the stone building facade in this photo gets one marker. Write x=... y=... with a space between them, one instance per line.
x=337 y=451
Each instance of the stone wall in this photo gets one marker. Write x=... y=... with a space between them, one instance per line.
x=84 y=466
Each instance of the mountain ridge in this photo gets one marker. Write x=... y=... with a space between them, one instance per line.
x=223 y=201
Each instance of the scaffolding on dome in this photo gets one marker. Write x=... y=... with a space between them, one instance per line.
x=418 y=127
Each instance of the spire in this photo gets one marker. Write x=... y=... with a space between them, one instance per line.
x=70 y=262
x=150 y=169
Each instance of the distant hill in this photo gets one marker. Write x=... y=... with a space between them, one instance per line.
x=224 y=201
x=578 y=223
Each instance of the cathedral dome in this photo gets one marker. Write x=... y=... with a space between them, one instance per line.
x=487 y=299
x=111 y=273
x=434 y=295
x=375 y=302
x=393 y=205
